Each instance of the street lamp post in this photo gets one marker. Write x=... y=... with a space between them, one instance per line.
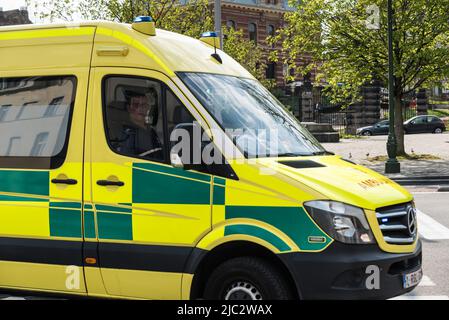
x=217 y=10
x=392 y=165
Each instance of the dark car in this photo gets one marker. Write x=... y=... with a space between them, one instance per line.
x=380 y=128
x=419 y=124
x=424 y=124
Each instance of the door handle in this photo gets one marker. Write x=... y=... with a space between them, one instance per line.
x=105 y=183
x=64 y=181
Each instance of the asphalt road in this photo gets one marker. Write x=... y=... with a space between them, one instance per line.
x=434 y=231
x=433 y=221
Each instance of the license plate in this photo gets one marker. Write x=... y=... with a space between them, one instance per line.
x=412 y=279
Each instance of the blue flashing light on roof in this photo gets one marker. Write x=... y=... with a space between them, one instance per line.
x=209 y=34
x=143 y=19
x=212 y=39
x=145 y=25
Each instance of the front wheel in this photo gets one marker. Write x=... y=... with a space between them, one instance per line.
x=367 y=133
x=246 y=278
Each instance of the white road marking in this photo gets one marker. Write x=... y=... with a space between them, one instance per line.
x=426 y=282
x=431 y=229
x=427 y=192
x=421 y=298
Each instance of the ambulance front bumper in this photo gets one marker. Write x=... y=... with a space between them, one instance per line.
x=345 y=272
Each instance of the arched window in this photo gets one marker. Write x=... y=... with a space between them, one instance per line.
x=252 y=30
x=230 y=24
x=270 y=72
x=270 y=30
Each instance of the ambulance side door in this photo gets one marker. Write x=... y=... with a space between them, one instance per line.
x=149 y=215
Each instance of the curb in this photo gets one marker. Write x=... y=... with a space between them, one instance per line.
x=422 y=181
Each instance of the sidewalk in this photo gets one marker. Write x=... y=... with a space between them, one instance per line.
x=360 y=150
x=413 y=168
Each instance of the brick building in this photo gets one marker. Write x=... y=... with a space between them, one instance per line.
x=258 y=19
x=11 y=17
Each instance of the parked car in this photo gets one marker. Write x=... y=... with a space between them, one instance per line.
x=424 y=124
x=419 y=124
x=380 y=128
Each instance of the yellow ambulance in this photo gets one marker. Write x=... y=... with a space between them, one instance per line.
x=95 y=199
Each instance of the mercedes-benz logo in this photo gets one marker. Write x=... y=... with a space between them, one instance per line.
x=411 y=221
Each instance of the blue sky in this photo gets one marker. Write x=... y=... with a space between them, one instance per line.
x=16 y=4
x=12 y=4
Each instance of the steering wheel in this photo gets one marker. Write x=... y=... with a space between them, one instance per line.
x=148 y=152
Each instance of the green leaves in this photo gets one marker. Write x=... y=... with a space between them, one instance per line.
x=247 y=53
x=191 y=19
x=347 y=52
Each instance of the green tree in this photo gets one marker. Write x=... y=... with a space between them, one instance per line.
x=346 y=42
x=192 y=18
x=248 y=54
x=69 y=10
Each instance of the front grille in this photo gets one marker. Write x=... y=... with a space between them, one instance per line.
x=398 y=223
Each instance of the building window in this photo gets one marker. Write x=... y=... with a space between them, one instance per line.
x=22 y=110
x=230 y=24
x=271 y=70
x=292 y=72
x=53 y=107
x=3 y=111
x=270 y=30
x=39 y=145
x=13 y=146
x=252 y=30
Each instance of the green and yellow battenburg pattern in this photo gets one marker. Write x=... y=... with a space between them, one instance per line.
x=29 y=209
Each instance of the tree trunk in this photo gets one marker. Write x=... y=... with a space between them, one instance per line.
x=399 y=126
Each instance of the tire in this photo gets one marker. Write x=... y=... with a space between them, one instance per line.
x=438 y=130
x=246 y=278
x=367 y=133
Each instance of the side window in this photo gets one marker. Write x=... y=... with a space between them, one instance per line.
x=29 y=138
x=211 y=159
x=434 y=119
x=421 y=120
x=134 y=117
x=177 y=113
x=140 y=116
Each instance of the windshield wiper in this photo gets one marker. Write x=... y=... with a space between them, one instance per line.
x=323 y=153
x=291 y=154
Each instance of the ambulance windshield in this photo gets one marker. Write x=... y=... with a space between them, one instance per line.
x=257 y=122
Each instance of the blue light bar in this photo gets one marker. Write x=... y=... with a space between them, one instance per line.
x=143 y=19
x=209 y=34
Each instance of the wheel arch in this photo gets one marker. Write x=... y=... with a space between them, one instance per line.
x=203 y=263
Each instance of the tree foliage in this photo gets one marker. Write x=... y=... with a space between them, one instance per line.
x=191 y=18
x=247 y=53
x=347 y=44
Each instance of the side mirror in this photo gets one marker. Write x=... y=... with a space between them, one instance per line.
x=176 y=160
x=186 y=146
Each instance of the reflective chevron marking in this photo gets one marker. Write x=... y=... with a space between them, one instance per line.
x=426 y=282
x=431 y=229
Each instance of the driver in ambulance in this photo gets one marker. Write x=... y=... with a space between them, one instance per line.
x=141 y=137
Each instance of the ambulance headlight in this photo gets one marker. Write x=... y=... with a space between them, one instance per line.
x=342 y=222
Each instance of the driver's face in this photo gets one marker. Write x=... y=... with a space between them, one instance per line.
x=138 y=109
